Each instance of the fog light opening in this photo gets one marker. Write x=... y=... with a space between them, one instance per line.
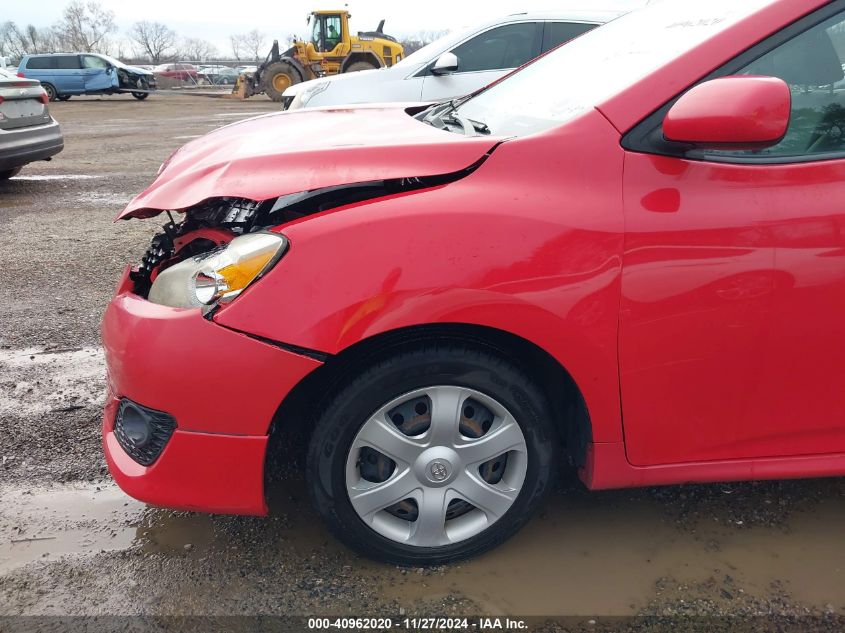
x=142 y=432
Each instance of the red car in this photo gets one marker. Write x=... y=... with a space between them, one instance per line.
x=183 y=72
x=628 y=256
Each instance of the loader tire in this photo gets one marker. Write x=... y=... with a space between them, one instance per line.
x=278 y=77
x=353 y=68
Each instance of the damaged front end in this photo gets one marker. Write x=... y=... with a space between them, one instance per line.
x=136 y=83
x=209 y=227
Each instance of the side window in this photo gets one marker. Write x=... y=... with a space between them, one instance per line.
x=89 y=61
x=556 y=33
x=812 y=64
x=67 y=62
x=501 y=48
x=40 y=63
x=333 y=34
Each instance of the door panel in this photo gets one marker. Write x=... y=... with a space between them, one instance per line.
x=731 y=341
x=698 y=284
x=68 y=74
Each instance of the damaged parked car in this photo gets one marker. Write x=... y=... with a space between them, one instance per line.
x=27 y=131
x=627 y=258
x=64 y=75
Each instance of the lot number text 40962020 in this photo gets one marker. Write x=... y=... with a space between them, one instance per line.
x=416 y=624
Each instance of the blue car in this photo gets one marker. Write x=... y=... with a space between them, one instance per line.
x=66 y=74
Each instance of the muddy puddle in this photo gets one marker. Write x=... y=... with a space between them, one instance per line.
x=47 y=524
x=587 y=554
x=605 y=553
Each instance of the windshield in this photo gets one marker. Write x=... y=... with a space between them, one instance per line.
x=586 y=72
x=111 y=60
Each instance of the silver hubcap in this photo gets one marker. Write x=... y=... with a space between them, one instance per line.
x=436 y=466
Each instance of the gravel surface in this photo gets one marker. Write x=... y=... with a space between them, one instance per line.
x=721 y=557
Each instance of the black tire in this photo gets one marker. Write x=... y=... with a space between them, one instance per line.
x=343 y=415
x=277 y=78
x=10 y=173
x=140 y=96
x=64 y=97
x=357 y=66
x=51 y=91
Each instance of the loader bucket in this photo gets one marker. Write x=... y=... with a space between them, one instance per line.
x=241 y=89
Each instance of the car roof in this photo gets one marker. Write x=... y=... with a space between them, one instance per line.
x=596 y=16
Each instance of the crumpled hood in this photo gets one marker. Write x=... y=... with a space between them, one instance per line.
x=138 y=71
x=292 y=152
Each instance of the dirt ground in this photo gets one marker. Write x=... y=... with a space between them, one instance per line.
x=764 y=554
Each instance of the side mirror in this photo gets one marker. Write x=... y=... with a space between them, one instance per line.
x=445 y=64
x=740 y=112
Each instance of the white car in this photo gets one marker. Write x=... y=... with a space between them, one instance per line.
x=453 y=66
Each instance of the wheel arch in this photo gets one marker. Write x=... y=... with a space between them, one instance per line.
x=362 y=56
x=52 y=86
x=291 y=426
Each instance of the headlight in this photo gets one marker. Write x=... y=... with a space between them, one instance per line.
x=219 y=275
x=304 y=96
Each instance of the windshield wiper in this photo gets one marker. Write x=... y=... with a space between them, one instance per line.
x=440 y=115
x=479 y=126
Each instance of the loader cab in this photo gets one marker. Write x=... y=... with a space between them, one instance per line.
x=328 y=30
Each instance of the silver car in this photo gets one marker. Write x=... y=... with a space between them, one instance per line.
x=453 y=66
x=27 y=131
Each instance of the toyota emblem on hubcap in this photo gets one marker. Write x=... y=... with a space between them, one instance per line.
x=438 y=470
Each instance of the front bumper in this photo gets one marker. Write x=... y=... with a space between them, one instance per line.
x=222 y=387
x=25 y=145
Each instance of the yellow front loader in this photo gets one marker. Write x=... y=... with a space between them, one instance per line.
x=331 y=50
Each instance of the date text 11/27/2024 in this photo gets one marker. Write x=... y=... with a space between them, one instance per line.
x=418 y=624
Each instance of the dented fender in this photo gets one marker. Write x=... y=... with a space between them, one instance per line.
x=461 y=253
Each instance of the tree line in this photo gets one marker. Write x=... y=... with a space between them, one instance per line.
x=89 y=27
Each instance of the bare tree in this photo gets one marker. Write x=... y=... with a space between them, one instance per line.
x=252 y=44
x=156 y=40
x=85 y=26
x=12 y=40
x=40 y=40
x=237 y=47
x=195 y=49
x=416 y=41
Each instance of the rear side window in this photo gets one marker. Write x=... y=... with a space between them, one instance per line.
x=501 y=48
x=556 y=33
x=67 y=62
x=41 y=63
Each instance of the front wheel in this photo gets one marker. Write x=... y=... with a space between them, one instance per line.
x=278 y=77
x=140 y=96
x=432 y=455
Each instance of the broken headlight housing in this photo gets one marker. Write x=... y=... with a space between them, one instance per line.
x=220 y=275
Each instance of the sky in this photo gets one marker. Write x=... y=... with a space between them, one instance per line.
x=279 y=19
